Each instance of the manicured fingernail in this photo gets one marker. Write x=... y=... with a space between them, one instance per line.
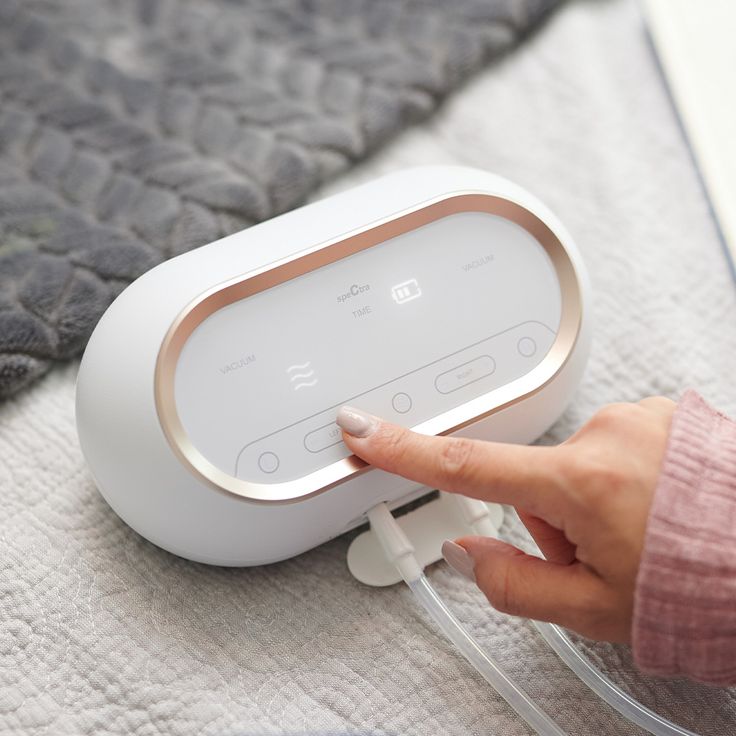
x=458 y=559
x=356 y=422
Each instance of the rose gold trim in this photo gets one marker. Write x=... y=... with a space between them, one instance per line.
x=296 y=265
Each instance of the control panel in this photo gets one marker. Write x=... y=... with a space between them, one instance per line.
x=407 y=329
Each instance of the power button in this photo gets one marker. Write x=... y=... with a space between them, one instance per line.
x=268 y=462
x=401 y=402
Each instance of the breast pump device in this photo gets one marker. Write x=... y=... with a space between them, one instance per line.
x=446 y=299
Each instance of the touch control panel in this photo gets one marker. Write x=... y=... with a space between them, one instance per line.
x=407 y=329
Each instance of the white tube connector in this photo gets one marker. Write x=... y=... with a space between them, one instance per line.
x=396 y=545
x=476 y=515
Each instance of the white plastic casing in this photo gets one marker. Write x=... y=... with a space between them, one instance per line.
x=196 y=486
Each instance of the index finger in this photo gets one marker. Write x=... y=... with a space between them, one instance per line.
x=492 y=471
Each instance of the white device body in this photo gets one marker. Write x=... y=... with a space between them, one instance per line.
x=162 y=475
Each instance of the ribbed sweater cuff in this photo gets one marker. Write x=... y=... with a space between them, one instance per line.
x=685 y=604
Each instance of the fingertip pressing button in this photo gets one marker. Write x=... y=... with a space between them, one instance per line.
x=323 y=437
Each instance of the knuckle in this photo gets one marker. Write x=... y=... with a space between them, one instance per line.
x=658 y=404
x=592 y=606
x=506 y=584
x=593 y=479
x=392 y=442
x=600 y=616
x=501 y=592
x=577 y=469
x=656 y=399
x=611 y=479
x=602 y=475
x=611 y=419
x=613 y=415
x=455 y=458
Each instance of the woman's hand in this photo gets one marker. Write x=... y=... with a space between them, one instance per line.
x=585 y=502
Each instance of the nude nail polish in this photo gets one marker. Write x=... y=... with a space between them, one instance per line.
x=458 y=559
x=356 y=422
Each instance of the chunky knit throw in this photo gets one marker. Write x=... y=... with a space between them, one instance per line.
x=131 y=131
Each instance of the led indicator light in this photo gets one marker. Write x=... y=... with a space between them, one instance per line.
x=406 y=291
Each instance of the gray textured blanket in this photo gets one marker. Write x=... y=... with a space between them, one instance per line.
x=133 y=131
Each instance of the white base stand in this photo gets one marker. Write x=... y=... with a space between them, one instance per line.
x=448 y=517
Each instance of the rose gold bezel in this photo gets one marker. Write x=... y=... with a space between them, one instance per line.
x=304 y=262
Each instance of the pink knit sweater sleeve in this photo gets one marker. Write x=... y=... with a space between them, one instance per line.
x=685 y=603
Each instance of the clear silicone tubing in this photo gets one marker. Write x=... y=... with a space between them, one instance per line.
x=515 y=696
x=399 y=551
x=491 y=672
x=602 y=686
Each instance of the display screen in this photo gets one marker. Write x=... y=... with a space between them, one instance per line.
x=406 y=329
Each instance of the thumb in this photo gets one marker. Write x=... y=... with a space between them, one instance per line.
x=523 y=585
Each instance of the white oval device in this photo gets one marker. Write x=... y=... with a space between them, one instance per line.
x=441 y=298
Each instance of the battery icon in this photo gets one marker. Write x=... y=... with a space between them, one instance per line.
x=406 y=291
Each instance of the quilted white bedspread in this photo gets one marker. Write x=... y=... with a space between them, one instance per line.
x=102 y=633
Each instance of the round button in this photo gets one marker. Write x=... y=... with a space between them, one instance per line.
x=401 y=402
x=268 y=462
x=526 y=346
